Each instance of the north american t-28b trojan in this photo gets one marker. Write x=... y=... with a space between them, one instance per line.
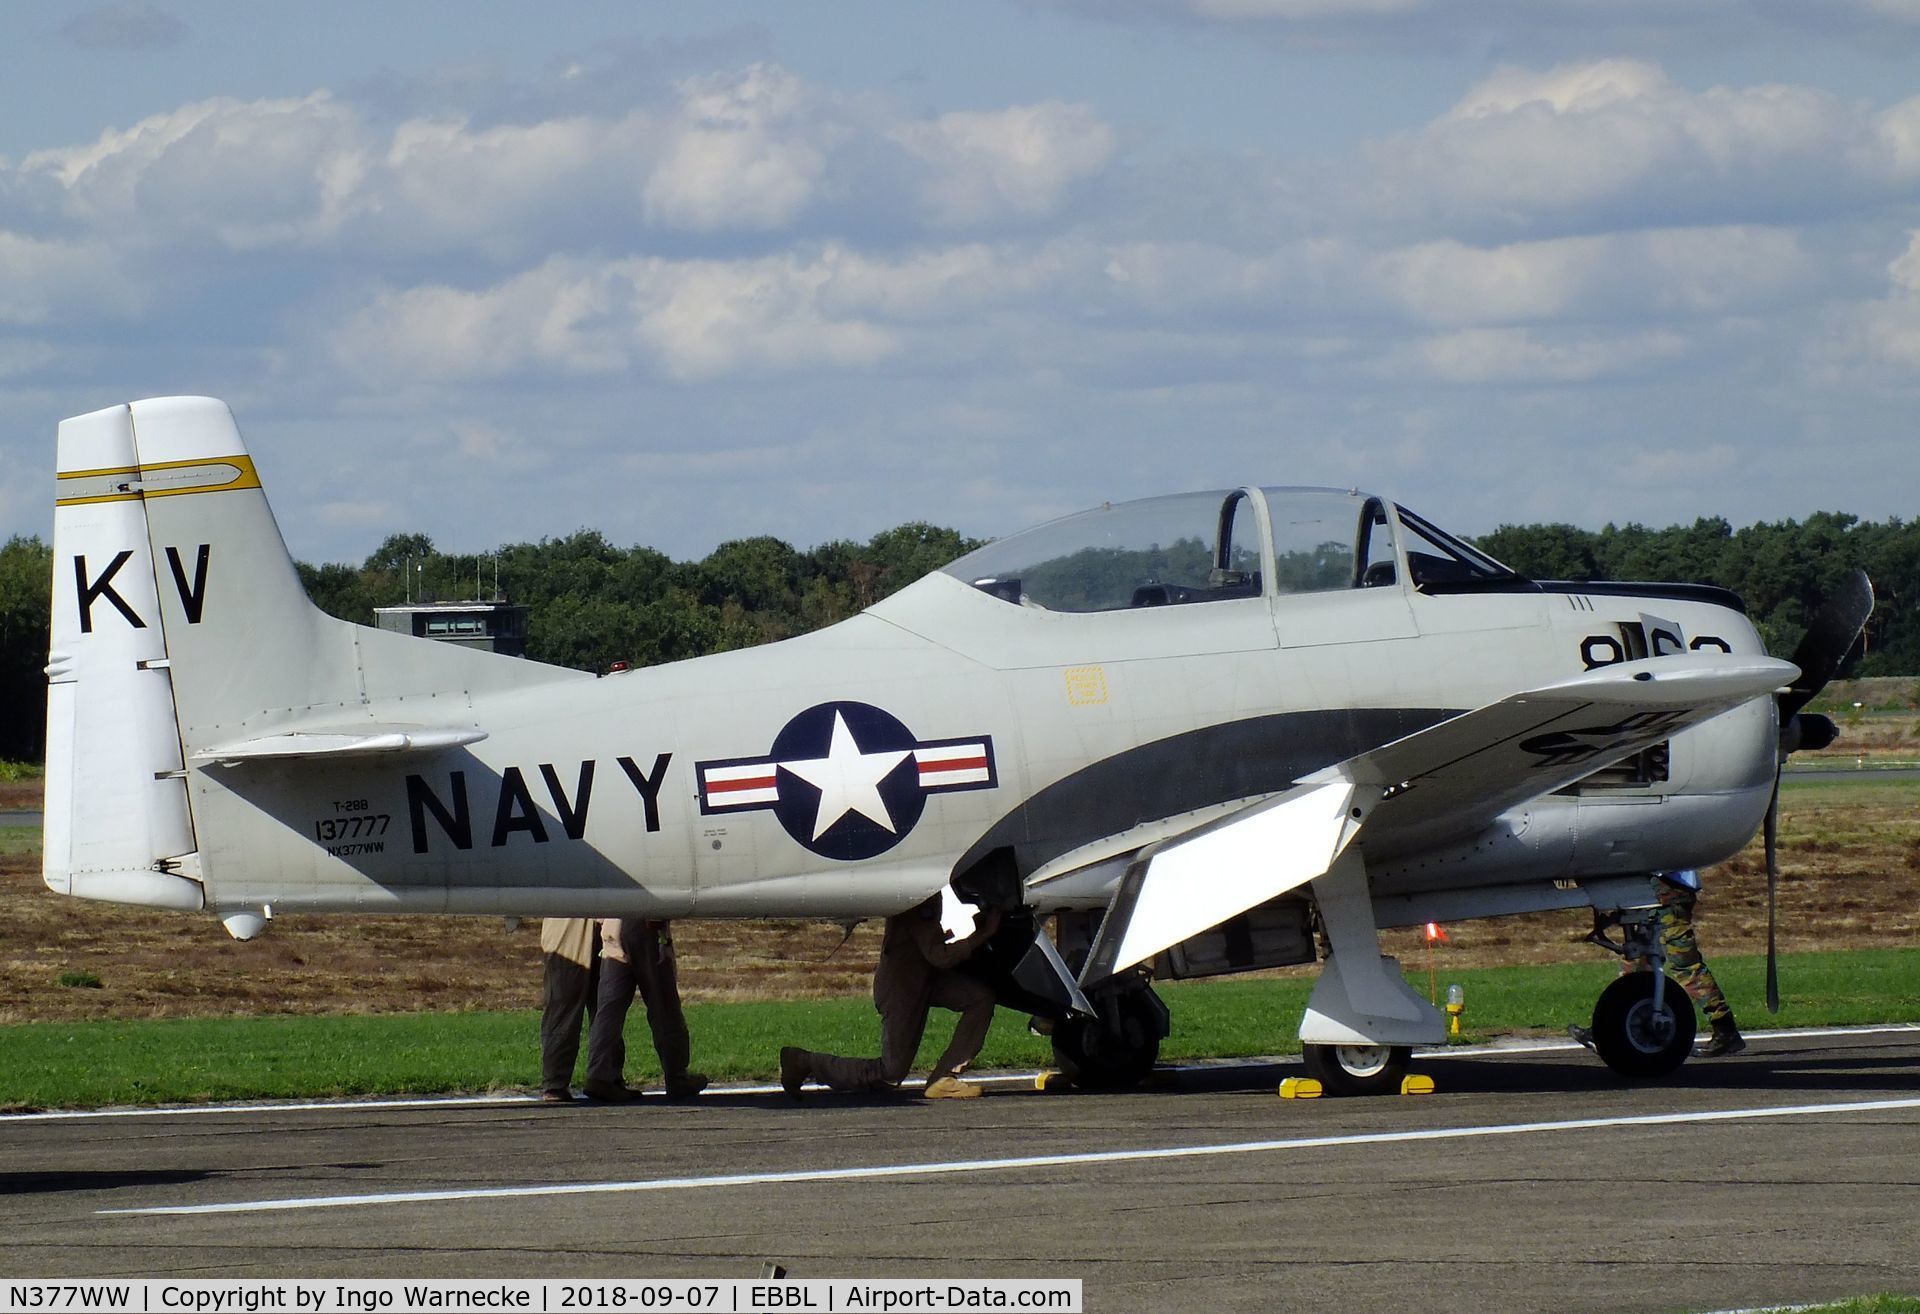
x=1196 y=734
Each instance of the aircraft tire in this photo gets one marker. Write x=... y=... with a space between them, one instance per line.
x=1358 y=1069
x=1113 y=1053
x=1626 y=1035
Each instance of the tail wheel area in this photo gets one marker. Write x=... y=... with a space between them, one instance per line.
x=1358 y=1069
x=1115 y=1050
x=1635 y=1038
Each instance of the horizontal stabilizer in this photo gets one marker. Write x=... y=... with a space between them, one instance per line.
x=361 y=741
x=1456 y=777
x=1221 y=870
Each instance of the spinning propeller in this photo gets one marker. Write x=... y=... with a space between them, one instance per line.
x=1830 y=640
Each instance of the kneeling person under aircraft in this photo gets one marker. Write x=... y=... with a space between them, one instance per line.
x=918 y=971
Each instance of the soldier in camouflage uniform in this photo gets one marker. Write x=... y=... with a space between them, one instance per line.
x=1677 y=892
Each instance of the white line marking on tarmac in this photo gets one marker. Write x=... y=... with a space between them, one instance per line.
x=1494 y=1049
x=1502 y=1048
x=958 y=1166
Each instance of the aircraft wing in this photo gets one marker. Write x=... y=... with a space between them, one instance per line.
x=1446 y=781
x=1453 y=778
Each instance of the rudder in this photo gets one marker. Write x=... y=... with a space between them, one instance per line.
x=118 y=823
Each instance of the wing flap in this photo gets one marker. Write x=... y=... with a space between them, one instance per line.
x=1184 y=887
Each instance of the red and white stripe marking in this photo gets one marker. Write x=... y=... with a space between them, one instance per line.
x=953 y=764
x=733 y=786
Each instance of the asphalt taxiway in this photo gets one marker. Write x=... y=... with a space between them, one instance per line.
x=1531 y=1180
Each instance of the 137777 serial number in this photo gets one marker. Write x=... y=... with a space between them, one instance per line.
x=352 y=820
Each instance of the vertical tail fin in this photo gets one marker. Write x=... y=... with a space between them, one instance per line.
x=180 y=626
x=178 y=619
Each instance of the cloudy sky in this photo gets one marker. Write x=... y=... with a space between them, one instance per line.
x=684 y=272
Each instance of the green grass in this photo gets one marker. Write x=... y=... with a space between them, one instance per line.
x=59 y=1065
x=1849 y=790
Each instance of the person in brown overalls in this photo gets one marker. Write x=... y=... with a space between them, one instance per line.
x=571 y=946
x=637 y=954
x=917 y=972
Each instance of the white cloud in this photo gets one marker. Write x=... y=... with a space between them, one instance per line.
x=705 y=319
x=758 y=150
x=542 y=321
x=1527 y=356
x=921 y=309
x=442 y=182
x=747 y=151
x=249 y=173
x=1019 y=162
x=1667 y=272
x=1879 y=338
x=693 y=319
x=1905 y=270
x=1588 y=86
x=1615 y=142
x=944 y=283
x=43 y=281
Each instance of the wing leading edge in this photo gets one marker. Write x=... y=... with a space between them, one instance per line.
x=1452 y=779
x=1449 y=780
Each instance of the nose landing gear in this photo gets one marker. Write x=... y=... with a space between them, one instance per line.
x=1643 y=1024
x=1639 y=1036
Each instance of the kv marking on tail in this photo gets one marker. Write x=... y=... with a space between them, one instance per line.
x=193 y=597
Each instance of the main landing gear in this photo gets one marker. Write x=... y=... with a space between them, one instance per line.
x=1643 y=1024
x=1116 y=1048
x=1358 y=1069
x=1106 y=1038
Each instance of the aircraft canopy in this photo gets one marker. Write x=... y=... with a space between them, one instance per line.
x=1217 y=545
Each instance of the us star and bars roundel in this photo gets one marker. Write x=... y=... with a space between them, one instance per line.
x=847 y=779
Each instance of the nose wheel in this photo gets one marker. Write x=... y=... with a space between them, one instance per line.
x=1638 y=1036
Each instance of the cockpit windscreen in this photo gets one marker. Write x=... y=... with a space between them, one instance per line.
x=1193 y=547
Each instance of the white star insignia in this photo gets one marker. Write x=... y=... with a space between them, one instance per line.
x=848 y=780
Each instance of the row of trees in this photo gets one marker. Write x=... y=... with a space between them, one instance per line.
x=593 y=603
x=1783 y=570
x=590 y=603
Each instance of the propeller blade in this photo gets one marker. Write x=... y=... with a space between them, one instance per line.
x=1772 y=841
x=1830 y=640
x=1830 y=637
